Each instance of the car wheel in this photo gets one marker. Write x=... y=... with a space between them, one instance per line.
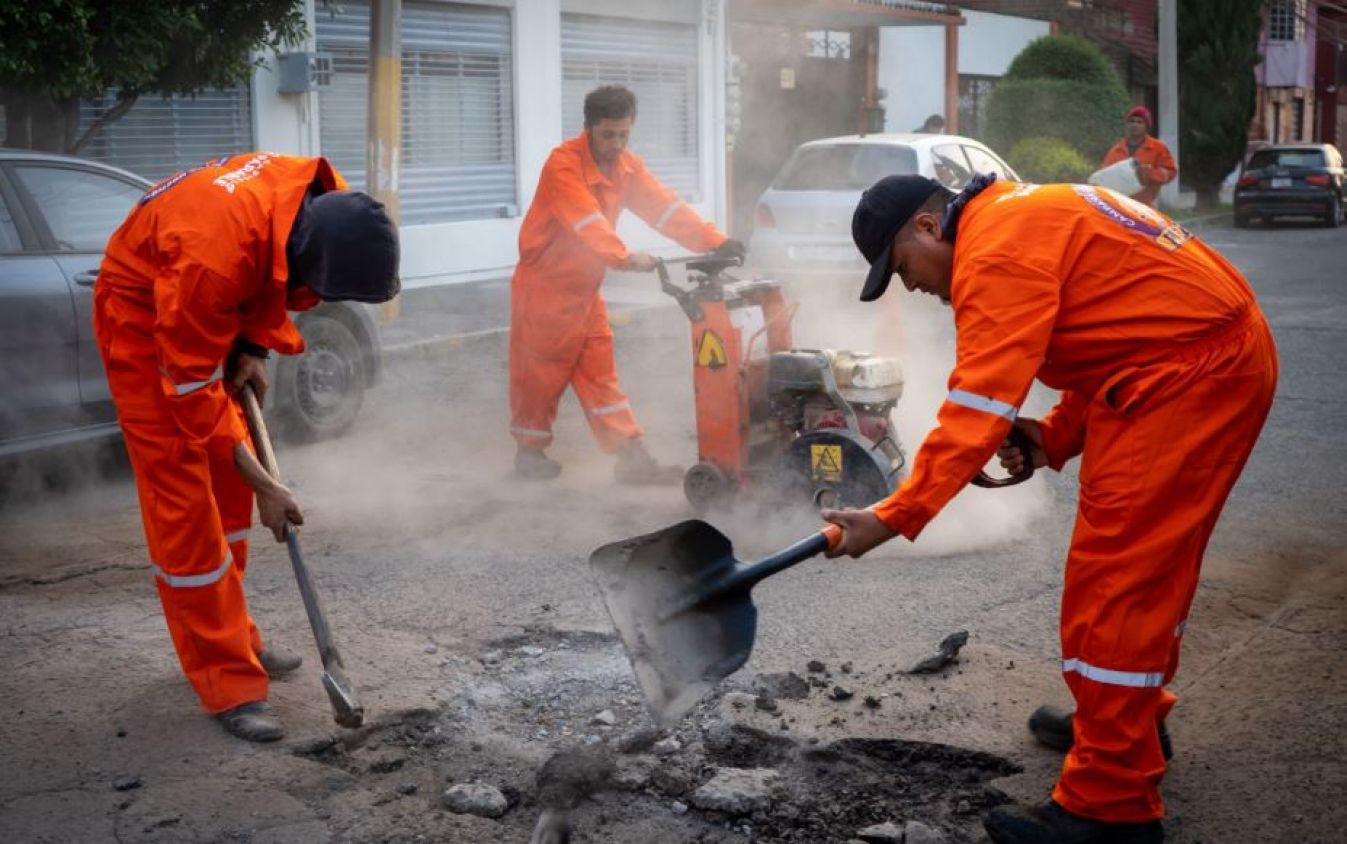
x=319 y=393
x=1242 y=221
x=1333 y=218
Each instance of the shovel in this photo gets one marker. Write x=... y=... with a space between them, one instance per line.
x=347 y=710
x=681 y=603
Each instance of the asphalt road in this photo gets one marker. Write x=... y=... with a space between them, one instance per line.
x=436 y=566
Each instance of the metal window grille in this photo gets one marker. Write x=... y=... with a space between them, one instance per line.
x=658 y=62
x=1286 y=20
x=159 y=137
x=458 y=148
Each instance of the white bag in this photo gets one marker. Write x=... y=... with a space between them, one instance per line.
x=1120 y=177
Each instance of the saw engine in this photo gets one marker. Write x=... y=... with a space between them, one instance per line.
x=799 y=425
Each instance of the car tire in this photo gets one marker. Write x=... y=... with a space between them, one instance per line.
x=1333 y=218
x=319 y=393
x=1242 y=221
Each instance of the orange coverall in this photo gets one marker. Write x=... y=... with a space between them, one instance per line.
x=1160 y=167
x=1167 y=370
x=559 y=332
x=199 y=263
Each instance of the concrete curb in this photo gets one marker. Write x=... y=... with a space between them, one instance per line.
x=438 y=347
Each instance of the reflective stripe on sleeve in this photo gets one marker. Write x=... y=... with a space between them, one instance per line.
x=193 y=386
x=236 y=535
x=189 y=580
x=611 y=408
x=1135 y=679
x=592 y=218
x=667 y=213
x=986 y=404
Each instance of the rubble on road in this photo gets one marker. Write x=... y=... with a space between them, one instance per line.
x=736 y=791
x=786 y=685
x=946 y=653
x=474 y=798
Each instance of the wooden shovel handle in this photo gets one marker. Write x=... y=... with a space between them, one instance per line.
x=257 y=427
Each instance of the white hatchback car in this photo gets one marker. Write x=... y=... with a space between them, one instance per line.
x=802 y=224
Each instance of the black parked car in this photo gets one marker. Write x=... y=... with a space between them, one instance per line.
x=1292 y=180
x=56 y=214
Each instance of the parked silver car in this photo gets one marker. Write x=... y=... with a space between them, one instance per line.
x=802 y=224
x=56 y=214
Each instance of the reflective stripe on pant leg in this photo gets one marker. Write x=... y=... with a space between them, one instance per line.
x=203 y=600
x=608 y=409
x=543 y=350
x=1153 y=483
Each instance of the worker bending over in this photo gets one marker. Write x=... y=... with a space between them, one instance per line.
x=559 y=332
x=193 y=291
x=1166 y=369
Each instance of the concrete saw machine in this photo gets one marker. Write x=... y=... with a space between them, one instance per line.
x=786 y=424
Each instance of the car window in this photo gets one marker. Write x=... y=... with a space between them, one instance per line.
x=9 y=233
x=1286 y=158
x=844 y=166
x=983 y=162
x=82 y=208
x=951 y=168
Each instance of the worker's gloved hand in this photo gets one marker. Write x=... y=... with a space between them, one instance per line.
x=639 y=262
x=732 y=248
x=862 y=531
x=1012 y=458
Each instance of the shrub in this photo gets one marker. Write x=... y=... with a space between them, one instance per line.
x=1059 y=86
x=1088 y=117
x=1062 y=57
x=1049 y=160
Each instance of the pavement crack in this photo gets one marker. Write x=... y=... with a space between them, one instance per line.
x=51 y=580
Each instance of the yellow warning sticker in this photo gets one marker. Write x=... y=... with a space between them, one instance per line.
x=825 y=462
x=711 y=351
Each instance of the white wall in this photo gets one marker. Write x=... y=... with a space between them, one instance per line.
x=447 y=253
x=912 y=61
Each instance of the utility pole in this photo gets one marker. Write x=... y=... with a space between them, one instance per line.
x=383 y=130
x=1169 y=90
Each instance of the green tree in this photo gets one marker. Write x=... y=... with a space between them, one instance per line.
x=53 y=52
x=1218 y=51
x=1059 y=86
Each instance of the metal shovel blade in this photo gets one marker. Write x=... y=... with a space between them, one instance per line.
x=677 y=651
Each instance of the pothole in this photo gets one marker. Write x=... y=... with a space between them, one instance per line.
x=538 y=696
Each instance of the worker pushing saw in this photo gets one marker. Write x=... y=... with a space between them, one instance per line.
x=1166 y=369
x=559 y=332
x=192 y=295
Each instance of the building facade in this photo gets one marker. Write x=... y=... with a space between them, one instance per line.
x=489 y=87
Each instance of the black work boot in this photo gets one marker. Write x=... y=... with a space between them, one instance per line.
x=635 y=466
x=252 y=721
x=1048 y=823
x=1054 y=728
x=532 y=465
x=278 y=661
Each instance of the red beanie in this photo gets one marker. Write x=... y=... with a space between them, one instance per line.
x=1142 y=112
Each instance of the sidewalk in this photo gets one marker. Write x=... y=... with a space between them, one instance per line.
x=446 y=316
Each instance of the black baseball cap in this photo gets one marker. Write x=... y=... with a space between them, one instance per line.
x=883 y=210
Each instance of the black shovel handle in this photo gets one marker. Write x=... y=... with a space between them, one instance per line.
x=1018 y=439
x=742 y=578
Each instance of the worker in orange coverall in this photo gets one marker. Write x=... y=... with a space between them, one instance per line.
x=1154 y=163
x=559 y=332
x=193 y=292
x=1166 y=369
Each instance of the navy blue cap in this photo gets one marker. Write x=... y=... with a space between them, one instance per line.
x=882 y=211
x=344 y=246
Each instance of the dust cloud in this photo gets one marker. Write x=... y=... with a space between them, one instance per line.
x=919 y=331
